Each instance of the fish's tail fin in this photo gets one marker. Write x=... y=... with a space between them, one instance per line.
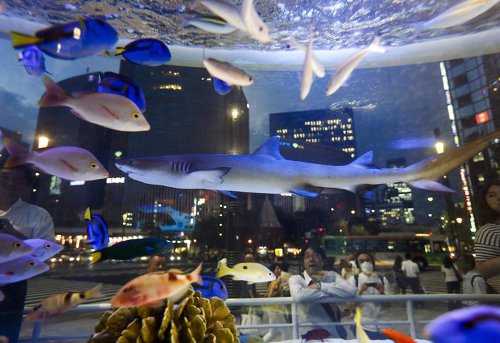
x=20 y=40
x=18 y=155
x=222 y=268
x=55 y=95
x=361 y=335
x=119 y=51
x=375 y=46
x=94 y=292
x=87 y=215
x=96 y=256
x=196 y=275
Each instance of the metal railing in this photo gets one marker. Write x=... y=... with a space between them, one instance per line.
x=409 y=301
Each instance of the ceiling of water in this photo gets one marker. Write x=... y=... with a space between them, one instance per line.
x=338 y=23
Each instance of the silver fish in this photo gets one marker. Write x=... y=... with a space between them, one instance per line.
x=254 y=24
x=227 y=72
x=43 y=249
x=12 y=247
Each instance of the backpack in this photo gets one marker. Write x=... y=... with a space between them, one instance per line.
x=489 y=288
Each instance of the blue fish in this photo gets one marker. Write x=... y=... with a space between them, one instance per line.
x=97 y=231
x=71 y=40
x=119 y=84
x=132 y=248
x=212 y=287
x=148 y=51
x=250 y=339
x=33 y=60
x=221 y=87
x=471 y=324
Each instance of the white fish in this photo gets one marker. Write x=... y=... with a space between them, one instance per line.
x=210 y=24
x=459 y=14
x=307 y=71
x=226 y=11
x=251 y=272
x=227 y=72
x=19 y=269
x=108 y=110
x=12 y=247
x=317 y=67
x=254 y=24
x=43 y=249
x=66 y=162
x=347 y=67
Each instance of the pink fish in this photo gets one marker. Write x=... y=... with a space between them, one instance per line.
x=152 y=287
x=66 y=162
x=61 y=303
x=105 y=109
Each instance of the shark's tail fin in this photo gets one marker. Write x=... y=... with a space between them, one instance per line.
x=432 y=168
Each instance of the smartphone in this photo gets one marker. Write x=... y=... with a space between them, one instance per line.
x=372 y=284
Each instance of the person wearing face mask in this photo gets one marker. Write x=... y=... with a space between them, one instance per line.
x=369 y=282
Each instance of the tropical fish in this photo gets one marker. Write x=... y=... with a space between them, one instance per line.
x=225 y=10
x=43 y=249
x=266 y=171
x=66 y=162
x=459 y=14
x=211 y=24
x=347 y=67
x=108 y=110
x=152 y=287
x=256 y=28
x=221 y=87
x=33 y=60
x=227 y=72
x=397 y=336
x=71 y=40
x=121 y=85
x=250 y=339
x=251 y=272
x=132 y=248
x=470 y=324
x=147 y=51
x=61 y=303
x=361 y=335
x=12 y=247
x=97 y=230
x=211 y=287
x=21 y=268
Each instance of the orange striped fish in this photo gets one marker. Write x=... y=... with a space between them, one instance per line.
x=152 y=287
x=60 y=303
x=397 y=336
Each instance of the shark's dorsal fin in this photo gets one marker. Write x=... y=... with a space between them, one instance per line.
x=365 y=160
x=271 y=147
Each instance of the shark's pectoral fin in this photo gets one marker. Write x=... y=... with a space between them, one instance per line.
x=211 y=176
x=307 y=191
x=229 y=194
x=430 y=185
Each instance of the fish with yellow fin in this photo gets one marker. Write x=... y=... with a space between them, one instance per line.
x=61 y=303
x=251 y=272
x=361 y=335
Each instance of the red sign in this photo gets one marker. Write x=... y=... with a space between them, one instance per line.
x=482 y=117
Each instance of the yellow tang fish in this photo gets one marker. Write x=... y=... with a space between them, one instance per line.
x=61 y=303
x=152 y=287
x=361 y=335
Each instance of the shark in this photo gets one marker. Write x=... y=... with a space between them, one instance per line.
x=266 y=171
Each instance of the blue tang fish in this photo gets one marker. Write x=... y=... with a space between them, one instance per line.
x=97 y=230
x=250 y=339
x=71 y=40
x=132 y=248
x=33 y=60
x=211 y=287
x=148 y=51
x=471 y=324
x=120 y=84
x=221 y=87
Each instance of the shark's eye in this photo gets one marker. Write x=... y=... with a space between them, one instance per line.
x=135 y=115
x=93 y=165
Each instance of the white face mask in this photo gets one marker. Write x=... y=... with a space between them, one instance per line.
x=366 y=267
